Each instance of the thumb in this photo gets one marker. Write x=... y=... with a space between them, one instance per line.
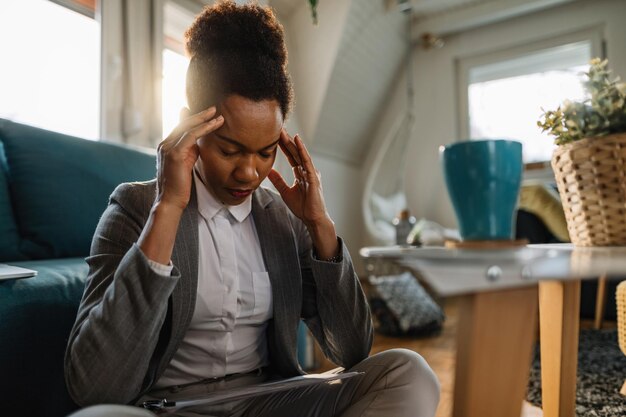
x=278 y=181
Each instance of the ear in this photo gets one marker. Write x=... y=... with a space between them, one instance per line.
x=184 y=113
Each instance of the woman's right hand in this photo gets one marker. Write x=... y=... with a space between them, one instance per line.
x=177 y=155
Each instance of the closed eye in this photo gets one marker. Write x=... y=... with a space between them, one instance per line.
x=228 y=153
x=268 y=153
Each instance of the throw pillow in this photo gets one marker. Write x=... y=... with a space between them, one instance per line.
x=402 y=307
x=60 y=186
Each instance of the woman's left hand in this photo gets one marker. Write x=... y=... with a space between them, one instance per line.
x=305 y=198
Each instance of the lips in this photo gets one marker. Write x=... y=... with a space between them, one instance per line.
x=238 y=194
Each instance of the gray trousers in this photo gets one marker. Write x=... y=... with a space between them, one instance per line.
x=396 y=383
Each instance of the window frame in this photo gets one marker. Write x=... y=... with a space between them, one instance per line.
x=84 y=7
x=594 y=35
x=184 y=6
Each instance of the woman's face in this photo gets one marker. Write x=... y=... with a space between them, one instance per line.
x=237 y=157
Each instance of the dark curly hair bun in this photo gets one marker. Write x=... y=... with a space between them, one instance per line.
x=237 y=49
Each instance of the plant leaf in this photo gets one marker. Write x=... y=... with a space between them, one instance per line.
x=313 y=4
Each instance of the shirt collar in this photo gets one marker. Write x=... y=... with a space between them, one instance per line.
x=209 y=206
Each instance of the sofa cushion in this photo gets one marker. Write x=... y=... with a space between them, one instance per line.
x=36 y=317
x=9 y=237
x=60 y=186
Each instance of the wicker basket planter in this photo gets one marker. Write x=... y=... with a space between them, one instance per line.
x=591 y=177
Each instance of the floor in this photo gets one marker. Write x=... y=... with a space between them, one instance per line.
x=439 y=352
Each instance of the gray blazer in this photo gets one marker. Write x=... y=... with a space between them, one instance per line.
x=131 y=321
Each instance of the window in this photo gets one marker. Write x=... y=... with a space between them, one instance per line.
x=505 y=94
x=176 y=20
x=174 y=99
x=50 y=76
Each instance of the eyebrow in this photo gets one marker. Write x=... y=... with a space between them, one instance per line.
x=241 y=146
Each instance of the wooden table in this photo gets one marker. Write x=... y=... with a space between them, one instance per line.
x=500 y=292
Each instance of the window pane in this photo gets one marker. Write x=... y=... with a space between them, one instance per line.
x=509 y=107
x=176 y=19
x=50 y=75
x=174 y=72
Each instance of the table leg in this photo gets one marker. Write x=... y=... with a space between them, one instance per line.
x=494 y=350
x=600 y=302
x=559 y=309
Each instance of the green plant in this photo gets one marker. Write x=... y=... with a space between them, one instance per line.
x=313 y=4
x=602 y=114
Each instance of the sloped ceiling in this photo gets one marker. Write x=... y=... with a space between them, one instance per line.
x=372 y=48
x=340 y=113
x=371 y=52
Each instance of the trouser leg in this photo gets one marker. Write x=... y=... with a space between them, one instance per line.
x=395 y=383
x=206 y=388
x=112 y=410
x=400 y=384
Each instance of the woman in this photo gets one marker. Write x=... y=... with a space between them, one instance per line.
x=199 y=278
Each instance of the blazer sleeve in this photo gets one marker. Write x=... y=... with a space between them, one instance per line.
x=334 y=306
x=120 y=317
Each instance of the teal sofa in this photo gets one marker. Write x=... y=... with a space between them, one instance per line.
x=53 y=189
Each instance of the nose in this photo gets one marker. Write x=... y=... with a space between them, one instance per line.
x=246 y=171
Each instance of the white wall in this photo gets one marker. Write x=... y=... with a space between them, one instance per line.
x=312 y=51
x=395 y=106
x=436 y=87
x=342 y=192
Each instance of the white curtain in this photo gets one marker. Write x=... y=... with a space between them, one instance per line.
x=132 y=44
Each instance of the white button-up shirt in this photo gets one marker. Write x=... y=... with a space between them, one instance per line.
x=234 y=301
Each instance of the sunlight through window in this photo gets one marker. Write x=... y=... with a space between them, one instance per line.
x=506 y=97
x=50 y=72
x=174 y=72
x=176 y=20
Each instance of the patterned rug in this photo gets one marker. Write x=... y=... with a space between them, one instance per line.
x=601 y=373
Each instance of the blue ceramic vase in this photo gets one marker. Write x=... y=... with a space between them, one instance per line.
x=483 y=179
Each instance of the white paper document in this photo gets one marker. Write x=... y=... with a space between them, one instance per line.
x=12 y=272
x=165 y=407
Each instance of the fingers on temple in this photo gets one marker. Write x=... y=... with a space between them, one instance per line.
x=193 y=121
x=191 y=136
x=298 y=173
x=289 y=148
x=310 y=173
x=278 y=181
